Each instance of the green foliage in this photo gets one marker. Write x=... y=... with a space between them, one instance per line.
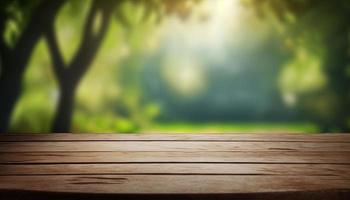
x=227 y=127
x=69 y=26
x=303 y=73
x=296 y=61
x=14 y=18
x=121 y=44
x=317 y=32
x=102 y=124
x=35 y=109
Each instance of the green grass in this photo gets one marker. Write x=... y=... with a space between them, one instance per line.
x=224 y=127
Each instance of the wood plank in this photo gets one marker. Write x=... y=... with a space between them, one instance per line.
x=165 y=184
x=177 y=137
x=181 y=164
x=176 y=157
x=170 y=146
x=179 y=169
x=333 y=194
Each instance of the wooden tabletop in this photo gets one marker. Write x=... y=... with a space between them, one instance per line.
x=194 y=166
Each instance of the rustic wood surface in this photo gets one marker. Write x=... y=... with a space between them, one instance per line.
x=192 y=166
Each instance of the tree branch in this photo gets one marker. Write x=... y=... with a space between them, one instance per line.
x=4 y=49
x=87 y=32
x=106 y=14
x=56 y=56
x=35 y=28
x=90 y=42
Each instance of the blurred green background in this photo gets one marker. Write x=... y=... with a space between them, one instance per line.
x=183 y=66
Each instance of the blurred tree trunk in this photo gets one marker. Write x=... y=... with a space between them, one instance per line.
x=336 y=64
x=69 y=75
x=64 y=109
x=14 y=60
x=10 y=87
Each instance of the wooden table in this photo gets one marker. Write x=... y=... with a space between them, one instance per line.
x=222 y=166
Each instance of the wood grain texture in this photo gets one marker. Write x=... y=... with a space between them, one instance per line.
x=177 y=137
x=170 y=146
x=141 y=184
x=331 y=157
x=179 y=169
x=207 y=165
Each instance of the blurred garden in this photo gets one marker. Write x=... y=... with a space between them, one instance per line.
x=196 y=66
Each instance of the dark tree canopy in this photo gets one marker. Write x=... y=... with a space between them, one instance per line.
x=24 y=22
x=323 y=24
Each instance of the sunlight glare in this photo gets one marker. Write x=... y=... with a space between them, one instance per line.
x=186 y=77
x=206 y=34
x=208 y=29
